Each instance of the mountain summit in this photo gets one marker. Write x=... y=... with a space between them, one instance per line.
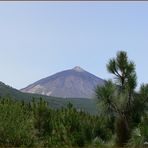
x=72 y=83
x=78 y=69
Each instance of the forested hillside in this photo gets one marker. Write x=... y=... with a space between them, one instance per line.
x=88 y=105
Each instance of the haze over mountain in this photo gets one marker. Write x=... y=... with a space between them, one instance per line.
x=72 y=83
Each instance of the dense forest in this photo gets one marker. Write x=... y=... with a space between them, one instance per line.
x=35 y=124
x=122 y=118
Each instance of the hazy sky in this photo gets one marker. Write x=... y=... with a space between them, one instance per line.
x=38 y=39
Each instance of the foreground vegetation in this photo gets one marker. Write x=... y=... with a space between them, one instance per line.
x=122 y=119
x=35 y=124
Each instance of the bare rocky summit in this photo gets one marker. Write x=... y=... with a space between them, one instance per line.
x=72 y=83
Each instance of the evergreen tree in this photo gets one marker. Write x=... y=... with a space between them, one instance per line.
x=118 y=98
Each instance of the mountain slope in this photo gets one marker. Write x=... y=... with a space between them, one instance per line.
x=73 y=83
x=88 y=105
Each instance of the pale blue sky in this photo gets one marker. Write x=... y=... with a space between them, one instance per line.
x=38 y=39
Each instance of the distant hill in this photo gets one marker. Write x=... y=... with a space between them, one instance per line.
x=88 y=105
x=72 y=83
